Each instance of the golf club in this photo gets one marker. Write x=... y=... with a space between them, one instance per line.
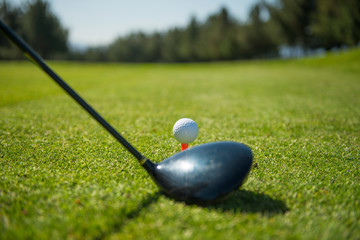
x=202 y=174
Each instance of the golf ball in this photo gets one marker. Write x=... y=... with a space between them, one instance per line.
x=185 y=130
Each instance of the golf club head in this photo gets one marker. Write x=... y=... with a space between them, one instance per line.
x=205 y=173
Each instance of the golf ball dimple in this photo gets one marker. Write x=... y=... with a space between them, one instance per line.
x=185 y=130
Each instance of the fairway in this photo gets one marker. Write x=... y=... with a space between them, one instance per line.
x=62 y=176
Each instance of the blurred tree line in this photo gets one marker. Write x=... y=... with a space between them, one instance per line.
x=36 y=24
x=308 y=24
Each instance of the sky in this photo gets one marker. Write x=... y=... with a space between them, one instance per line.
x=99 y=22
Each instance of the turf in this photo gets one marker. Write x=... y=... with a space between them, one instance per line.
x=63 y=177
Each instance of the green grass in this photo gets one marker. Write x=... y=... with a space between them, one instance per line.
x=62 y=176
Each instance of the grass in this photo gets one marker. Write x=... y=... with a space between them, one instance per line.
x=62 y=176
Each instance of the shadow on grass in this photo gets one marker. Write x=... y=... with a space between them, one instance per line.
x=144 y=204
x=240 y=201
x=251 y=202
x=122 y=221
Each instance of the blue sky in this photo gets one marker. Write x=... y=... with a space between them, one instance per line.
x=96 y=22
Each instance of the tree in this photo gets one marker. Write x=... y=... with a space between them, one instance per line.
x=43 y=30
x=170 y=47
x=317 y=23
x=136 y=47
x=12 y=17
x=337 y=23
x=189 y=45
x=218 y=38
x=260 y=34
x=294 y=19
x=152 y=48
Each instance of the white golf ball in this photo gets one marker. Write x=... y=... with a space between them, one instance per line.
x=185 y=130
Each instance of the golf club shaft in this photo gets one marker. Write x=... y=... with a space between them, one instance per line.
x=30 y=53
